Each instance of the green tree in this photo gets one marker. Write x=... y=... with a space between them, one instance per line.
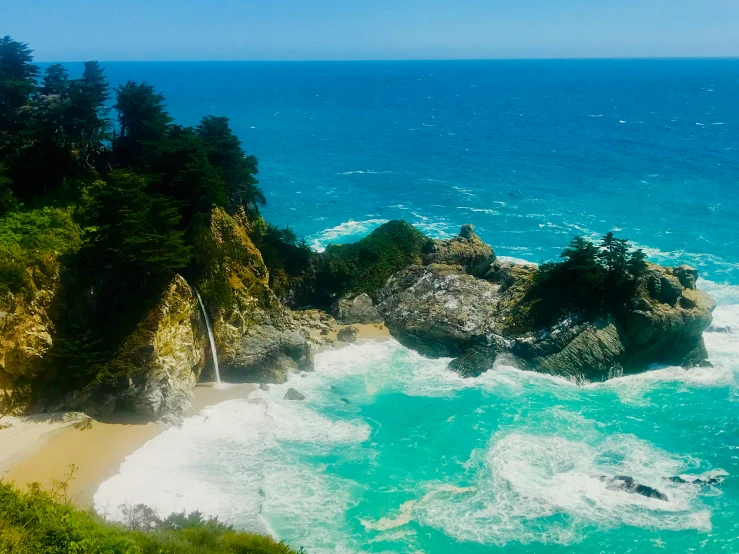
x=17 y=84
x=136 y=233
x=614 y=256
x=56 y=80
x=183 y=172
x=237 y=170
x=142 y=124
x=638 y=263
x=88 y=113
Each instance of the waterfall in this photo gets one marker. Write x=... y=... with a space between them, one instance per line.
x=211 y=338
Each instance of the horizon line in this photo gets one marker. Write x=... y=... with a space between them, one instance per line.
x=401 y=60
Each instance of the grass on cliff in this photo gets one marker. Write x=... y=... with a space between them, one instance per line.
x=37 y=522
x=30 y=243
x=364 y=266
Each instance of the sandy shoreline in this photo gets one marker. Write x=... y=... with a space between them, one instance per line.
x=41 y=449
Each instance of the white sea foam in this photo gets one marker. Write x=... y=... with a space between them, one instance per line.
x=364 y=172
x=349 y=228
x=524 y=478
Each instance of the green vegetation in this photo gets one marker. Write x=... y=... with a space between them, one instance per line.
x=101 y=191
x=591 y=279
x=36 y=522
x=364 y=266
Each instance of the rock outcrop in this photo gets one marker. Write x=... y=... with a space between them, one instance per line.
x=444 y=311
x=258 y=339
x=164 y=356
x=466 y=249
x=437 y=309
x=26 y=327
x=360 y=308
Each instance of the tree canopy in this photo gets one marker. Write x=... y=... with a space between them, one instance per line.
x=115 y=166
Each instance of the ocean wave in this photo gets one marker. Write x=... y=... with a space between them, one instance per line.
x=524 y=479
x=364 y=172
x=351 y=228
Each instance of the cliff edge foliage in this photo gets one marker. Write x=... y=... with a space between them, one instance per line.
x=36 y=521
x=104 y=199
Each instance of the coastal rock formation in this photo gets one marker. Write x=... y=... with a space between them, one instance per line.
x=437 y=309
x=466 y=249
x=257 y=338
x=443 y=311
x=358 y=308
x=164 y=356
x=26 y=327
x=158 y=364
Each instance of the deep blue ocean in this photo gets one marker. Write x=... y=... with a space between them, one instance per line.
x=532 y=153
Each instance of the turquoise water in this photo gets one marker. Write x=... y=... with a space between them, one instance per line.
x=392 y=453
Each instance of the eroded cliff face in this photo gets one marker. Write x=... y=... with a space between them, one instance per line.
x=447 y=310
x=164 y=356
x=258 y=339
x=26 y=327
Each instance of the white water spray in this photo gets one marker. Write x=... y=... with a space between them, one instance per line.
x=211 y=338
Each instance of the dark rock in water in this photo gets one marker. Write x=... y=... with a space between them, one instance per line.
x=475 y=361
x=348 y=335
x=710 y=478
x=292 y=394
x=351 y=309
x=264 y=386
x=628 y=484
x=466 y=250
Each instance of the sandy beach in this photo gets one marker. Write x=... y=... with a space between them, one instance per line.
x=43 y=448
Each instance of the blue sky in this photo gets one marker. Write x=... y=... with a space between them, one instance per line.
x=71 y=30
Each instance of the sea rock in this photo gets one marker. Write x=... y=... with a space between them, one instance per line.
x=292 y=394
x=582 y=351
x=629 y=484
x=466 y=249
x=507 y=274
x=438 y=310
x=687 y=276
x=350 y=309
x=476 y=360
x=348 y=335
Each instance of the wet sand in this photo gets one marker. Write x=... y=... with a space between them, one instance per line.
x=43 y=450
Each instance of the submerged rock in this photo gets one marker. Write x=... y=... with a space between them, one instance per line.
x=628 y=484
x=292 y=394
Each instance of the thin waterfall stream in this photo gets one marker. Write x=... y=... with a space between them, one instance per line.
x=211 y=338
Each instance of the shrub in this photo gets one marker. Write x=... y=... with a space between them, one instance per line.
x=30 y=241
x=364 y=266
x=35 y=521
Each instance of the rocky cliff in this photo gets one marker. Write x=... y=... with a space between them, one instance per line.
x=475 y=314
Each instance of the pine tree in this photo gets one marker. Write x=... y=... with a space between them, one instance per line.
x=56 y=80
x=17 y=84
x=237 y=170
x=142 y=124
x=638 y=263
